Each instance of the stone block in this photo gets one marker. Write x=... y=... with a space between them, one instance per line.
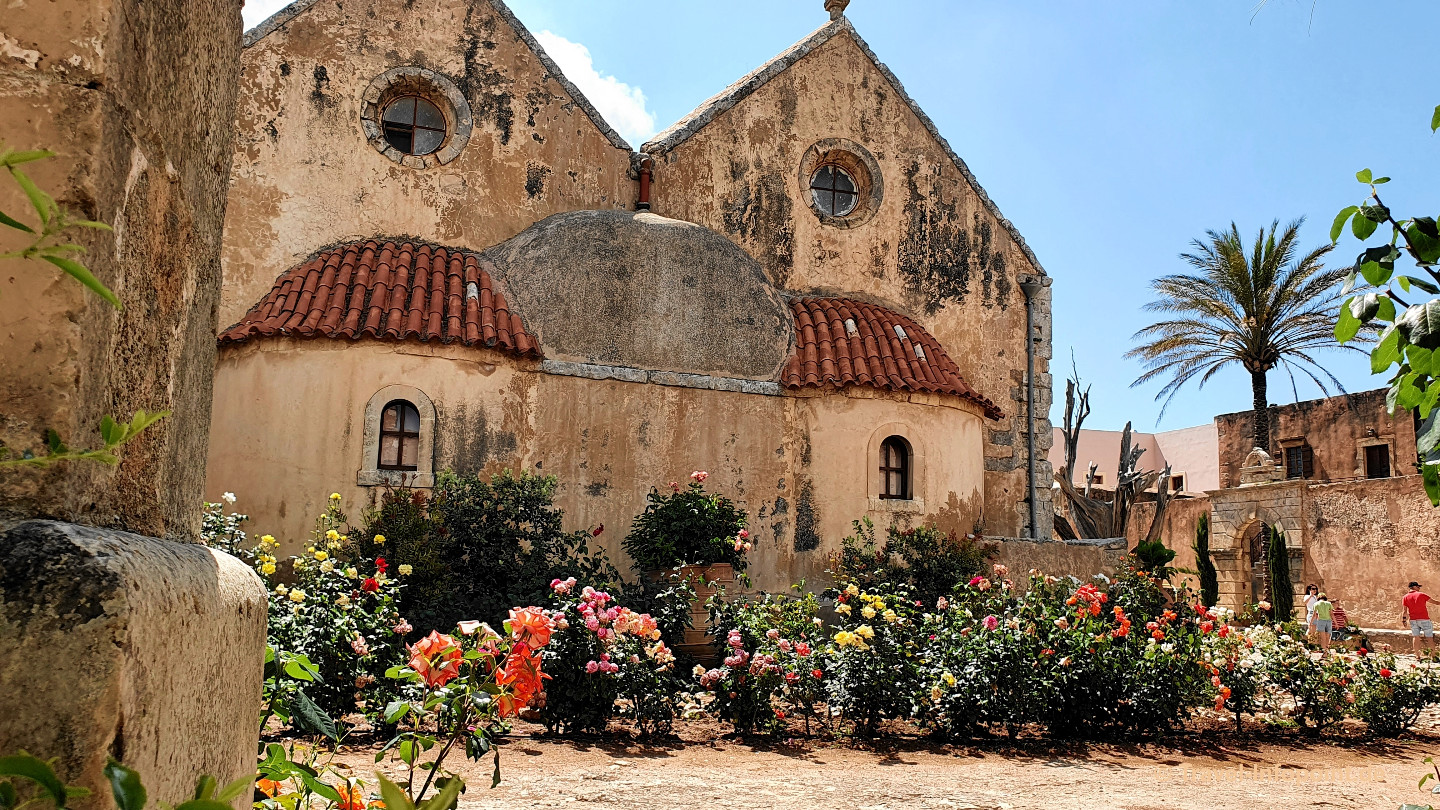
x=115 y=644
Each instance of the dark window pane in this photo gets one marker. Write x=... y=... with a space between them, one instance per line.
x=844 y=203
x=428 y=115
x=843 y=182
x=825 y=178
x=389 y=451
x=399 y=138
x=427 y=141
x=401 y=110
x=412 y=419
x=1377 y=461
x=390 y=422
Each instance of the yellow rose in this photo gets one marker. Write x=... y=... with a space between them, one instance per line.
x=405 y=569
x=297 y=595
x=868 y=612
x=865 y=632
x=844 y=638
x=322 y=556
x=280 y=590
x=842 y=609
x=948 y=679
x=267 y=541
x=891 y=617
x=853 y=590
x=332 y=535
x=351 y=573
x=327 y=566
x=380 y=539
x=267 y=569
x=334 y=496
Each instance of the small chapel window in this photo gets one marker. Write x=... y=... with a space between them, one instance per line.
x=399 y=437
x=413 y=125
x=834 y=190
x=895 y=469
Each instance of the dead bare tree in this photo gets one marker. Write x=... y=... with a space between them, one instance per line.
x=1093 y=517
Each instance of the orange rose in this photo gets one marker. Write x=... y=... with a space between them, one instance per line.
x=436 y=659
x=350 y=797
x=268 y=786
x=521 y=672
x=530 y=626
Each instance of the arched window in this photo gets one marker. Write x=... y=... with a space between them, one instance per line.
x=413 y=125
x=895 y=469
x=399 y=437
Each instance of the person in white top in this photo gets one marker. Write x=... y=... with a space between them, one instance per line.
x=1312 y=595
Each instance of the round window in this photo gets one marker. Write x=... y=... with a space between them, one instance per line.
x=413 y=125
x=834 y=191
x=842 y=181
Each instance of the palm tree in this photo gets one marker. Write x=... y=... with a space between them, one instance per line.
x=1263 y=309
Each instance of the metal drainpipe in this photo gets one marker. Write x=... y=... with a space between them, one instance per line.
x=647 y=166
x=1030 y=285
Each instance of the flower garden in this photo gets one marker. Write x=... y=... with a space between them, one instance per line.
x=921 y=634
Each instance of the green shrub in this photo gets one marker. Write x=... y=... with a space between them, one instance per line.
x=687 y=526
x=872 y=672
x=1204 y=564
x=928 y=561
x=478 y=548
x=1390 y=699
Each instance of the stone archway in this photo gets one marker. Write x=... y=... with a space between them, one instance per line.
x=1239 y=519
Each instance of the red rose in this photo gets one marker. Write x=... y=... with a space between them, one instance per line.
x=370 y=585
x=1362 y=652
x=1385 y=673
x=817 y=673
x=381 y=565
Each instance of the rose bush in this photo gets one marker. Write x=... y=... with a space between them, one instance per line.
x=1389 y=697
x=770 y=669
x=606 y=660
x=873 y=656
x=688 y=526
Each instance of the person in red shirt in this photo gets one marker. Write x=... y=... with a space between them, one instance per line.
x=1422 y=631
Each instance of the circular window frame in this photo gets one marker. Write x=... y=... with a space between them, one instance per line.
x=431 y=86
x=857 y=162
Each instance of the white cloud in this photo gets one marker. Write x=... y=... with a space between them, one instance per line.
x=258 y=11
x=622 y=105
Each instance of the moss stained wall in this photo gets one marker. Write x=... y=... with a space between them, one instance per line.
x=137 y=99
x=932 y=249
x=796 y=464
x=306 y=177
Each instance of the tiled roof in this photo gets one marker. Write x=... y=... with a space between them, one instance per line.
x=391 y=291
x=840 y=342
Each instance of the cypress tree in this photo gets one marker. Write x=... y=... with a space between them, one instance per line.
x=1282 y=590
x=1209 y=580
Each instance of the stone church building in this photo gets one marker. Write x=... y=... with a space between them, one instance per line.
x=438 y=256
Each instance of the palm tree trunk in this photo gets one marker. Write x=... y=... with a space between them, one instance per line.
x=1262 y=411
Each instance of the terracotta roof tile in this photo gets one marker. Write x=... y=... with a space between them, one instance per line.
x=391 y=291
x=827 y=354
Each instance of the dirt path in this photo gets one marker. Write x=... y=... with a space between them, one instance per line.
x=1202 y=772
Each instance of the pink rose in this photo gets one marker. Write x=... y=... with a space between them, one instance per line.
x=402 y=627
x=699 y=476
x=591 y=667
x=991 y=622
x=744 y=534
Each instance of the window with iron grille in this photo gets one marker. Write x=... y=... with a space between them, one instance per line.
x=895 y=469
x=413 y=125
x=1299 y=461
x=834 y=190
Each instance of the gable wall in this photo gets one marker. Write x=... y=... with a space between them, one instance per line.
x=932 y=250
x=305 y=176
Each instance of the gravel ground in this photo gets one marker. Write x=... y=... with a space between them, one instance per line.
x=1203 y=769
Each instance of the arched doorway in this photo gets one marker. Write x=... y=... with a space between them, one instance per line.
x=1256 y=545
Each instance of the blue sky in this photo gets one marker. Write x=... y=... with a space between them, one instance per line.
x=1110 y=133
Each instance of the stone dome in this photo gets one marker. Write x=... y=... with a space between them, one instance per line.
x=636 y=289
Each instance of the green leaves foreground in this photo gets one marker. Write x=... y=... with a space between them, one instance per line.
x=1408 y=334
x=113 y=433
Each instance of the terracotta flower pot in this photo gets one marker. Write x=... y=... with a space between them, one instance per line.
x=706 y=580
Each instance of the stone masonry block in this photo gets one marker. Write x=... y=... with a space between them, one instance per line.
x=112 y=643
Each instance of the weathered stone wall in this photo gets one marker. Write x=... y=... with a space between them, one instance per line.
x=1082 y=559
x=1177 y=531
x=1366 y=540
x=113 y=644
x=1336 y=428
x=306 y=174
x=801 y=466
x=933 y=247
x=137 y=99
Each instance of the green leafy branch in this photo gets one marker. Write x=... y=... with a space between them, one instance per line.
x=47 y=238
x=1409 y=334
x=113 y=433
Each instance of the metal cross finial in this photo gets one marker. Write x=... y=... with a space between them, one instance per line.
x=836 y=8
